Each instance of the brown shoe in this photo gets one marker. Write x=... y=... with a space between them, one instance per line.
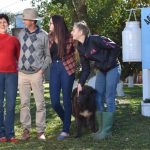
x=41 y=136
x=25 y=135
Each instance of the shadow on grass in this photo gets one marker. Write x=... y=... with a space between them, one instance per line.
x=130 y=129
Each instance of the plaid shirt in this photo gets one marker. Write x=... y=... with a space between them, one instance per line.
x=69 y=59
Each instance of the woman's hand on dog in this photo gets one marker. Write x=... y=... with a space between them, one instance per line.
x=79 y=88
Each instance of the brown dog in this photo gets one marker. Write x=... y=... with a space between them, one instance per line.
x=84 y=108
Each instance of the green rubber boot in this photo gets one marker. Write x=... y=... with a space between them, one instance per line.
x=98 y=122
x=107 y=122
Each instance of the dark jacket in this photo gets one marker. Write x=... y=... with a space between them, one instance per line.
x=99 y=49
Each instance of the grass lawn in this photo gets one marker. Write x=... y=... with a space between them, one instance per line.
x=131 y=131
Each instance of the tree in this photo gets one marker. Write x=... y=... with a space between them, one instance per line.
x=105 y=17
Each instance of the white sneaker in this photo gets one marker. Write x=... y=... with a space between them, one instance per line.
x=41 y=136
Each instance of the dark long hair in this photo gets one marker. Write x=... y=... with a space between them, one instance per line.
x=60 y=32
x=5 y=17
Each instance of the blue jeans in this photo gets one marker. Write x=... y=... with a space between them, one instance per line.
x=105 y=85
x=8 y=90
x=60 y=80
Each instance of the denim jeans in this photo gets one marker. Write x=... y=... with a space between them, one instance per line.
x=60 y=80
x=105 y=85
x=8 y=90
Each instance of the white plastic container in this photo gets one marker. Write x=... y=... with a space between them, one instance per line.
x=145 y=109
x=120 y=91
x=131 y=42
x=130 y=81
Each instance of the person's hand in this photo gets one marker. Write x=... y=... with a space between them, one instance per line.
x=79 y=88
x=40 y=71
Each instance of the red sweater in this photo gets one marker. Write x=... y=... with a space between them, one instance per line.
x=9 y=53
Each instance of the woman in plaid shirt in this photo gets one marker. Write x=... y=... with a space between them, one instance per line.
x=61 y=71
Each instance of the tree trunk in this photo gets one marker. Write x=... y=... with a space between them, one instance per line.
x=80 y=10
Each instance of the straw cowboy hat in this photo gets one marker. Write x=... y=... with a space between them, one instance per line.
x=30 y=14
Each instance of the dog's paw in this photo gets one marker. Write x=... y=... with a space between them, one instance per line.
x=86 y=113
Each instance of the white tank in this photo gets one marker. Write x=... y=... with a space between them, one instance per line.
x=131 y=42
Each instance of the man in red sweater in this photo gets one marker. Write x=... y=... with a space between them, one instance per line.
x=9 y=54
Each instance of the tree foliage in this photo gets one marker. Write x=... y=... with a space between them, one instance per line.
x=105 y=17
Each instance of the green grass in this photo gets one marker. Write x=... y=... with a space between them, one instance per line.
x=131 y=131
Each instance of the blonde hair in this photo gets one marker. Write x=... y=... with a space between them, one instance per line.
x=82 y=25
